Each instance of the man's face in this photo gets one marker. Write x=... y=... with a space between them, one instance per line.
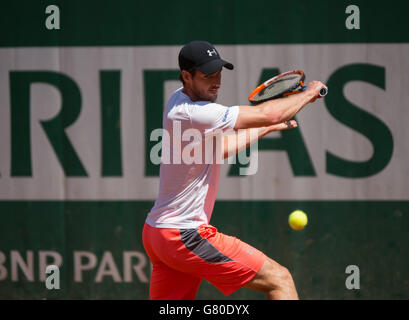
x=205 y=87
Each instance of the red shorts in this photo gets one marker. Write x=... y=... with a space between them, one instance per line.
x=181 y=258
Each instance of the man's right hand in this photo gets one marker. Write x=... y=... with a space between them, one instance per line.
x=313 y=90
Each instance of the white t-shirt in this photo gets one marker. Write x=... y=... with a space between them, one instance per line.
x=189 y=170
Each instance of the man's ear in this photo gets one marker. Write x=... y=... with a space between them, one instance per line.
x=186 y=75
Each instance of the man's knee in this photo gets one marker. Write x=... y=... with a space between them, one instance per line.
x=284 y=274
x=278 y=275
x=272 y=276
x=274 y=280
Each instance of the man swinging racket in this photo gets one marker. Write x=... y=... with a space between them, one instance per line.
x=182 y=246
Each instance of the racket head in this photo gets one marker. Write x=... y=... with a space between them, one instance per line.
x=278 y=86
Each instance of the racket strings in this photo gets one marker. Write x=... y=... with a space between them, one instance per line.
x=279 y=86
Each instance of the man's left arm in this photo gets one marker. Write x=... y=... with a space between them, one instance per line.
x=243 y=138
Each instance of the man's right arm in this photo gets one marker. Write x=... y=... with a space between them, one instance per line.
x=278 y=110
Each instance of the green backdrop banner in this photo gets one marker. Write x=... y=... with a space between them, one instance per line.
x=127 y=22
x=100 y=248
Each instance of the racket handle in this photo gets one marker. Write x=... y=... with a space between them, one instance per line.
x=323 y=91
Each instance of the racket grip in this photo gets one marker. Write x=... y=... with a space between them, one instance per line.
x=323 y=92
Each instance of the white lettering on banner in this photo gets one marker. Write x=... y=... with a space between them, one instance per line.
x=270 y=177
x=26 y=266
x=107 y=267
x=20 y=266
x=138 y=268
x=3 y=270
x=79 y=267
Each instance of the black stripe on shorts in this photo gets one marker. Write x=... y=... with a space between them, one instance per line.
x=201 y=247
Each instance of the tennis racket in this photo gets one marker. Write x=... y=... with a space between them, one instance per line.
x=282 y=85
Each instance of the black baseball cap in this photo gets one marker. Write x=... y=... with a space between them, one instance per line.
x=203 y=56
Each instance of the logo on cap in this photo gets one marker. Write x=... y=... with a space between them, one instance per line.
x=210 y=53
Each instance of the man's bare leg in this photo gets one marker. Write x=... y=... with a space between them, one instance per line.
x=275 y=281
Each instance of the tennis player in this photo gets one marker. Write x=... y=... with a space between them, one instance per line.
x=181 y=244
